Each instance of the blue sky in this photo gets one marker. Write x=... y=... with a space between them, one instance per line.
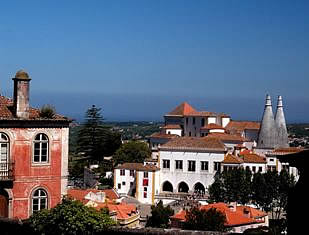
x=139 y=59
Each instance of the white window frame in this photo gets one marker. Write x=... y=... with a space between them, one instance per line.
x=41 y=142
x=42 y=196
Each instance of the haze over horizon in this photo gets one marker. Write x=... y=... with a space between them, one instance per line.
x=137 y=60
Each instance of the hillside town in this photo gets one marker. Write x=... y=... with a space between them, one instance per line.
x=186 y=157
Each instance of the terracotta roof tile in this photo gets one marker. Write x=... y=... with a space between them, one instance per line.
x=227 y=137
x=6 y=112
x=194 y=143
x=238 y=217
x=232 y=159
x=253 y=158
x=79 y=194
x=181 y=110
x=236 y=127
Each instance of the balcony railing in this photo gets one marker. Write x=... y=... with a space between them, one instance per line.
x=6 y=171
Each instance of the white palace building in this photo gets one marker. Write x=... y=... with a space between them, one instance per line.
x=194 y=145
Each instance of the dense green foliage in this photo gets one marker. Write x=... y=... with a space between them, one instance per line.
x=70 y=217
x=132 y=151
x=268 y=190
x=231 y=186
x=205 y=220
x=160 y=216
x=94 y=140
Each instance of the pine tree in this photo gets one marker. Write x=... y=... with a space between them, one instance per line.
x=92 y=136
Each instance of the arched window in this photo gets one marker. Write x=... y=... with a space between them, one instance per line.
x=4 y=153
x=39 y=200
x=40 y=154
x=167 y=187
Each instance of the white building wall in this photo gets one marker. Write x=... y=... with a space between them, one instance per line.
x=124 y=181
x=173 y=132
x=212 y=120
x=225 y=121
x=144 y=193
x=190 y=178
x=256 y=166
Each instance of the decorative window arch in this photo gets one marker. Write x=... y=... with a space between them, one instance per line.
x=39 y=200
x=41 y=149
x=4 y=152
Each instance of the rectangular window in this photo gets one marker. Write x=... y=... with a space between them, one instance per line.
x=260 y=169
x=145 y=174
x=122 y=172
x=193 y=121
x=217 y=166
x=145 y=194
x=191 y=165
x=123 y=183
x=254 y=169
x=166 y=164
x=131 y=172
x=119 y=186
x=204 y=166
x=145 y=189
x=178 y=164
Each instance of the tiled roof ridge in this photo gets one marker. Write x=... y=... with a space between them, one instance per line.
x=6 y=112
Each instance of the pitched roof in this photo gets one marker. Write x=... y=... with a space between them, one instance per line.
x=7 y=113
x=236 y=127
x=137 y=166
x=232 y=159
x=253 y=158
x=123 y=210
x=194 y=143
x=181 y=110
x=79 y=194
x=237 y=217
x=227 y=137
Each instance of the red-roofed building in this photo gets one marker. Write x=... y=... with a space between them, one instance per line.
x=125 y=214
x=34 y=154
x=238 y=218
x=249 y=161
x=191 y=121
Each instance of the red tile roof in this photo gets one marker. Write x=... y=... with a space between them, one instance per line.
x=253 y=158
x=194 y=143
x=236 y=127
x=123 y=210
x=79 y=194
x=181 y=110
x=6 y=112
x=227 y=137
x=237 y=217
x=232 y=159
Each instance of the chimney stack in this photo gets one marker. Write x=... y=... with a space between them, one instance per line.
x=21 y=94
x=283 y=141
x=268 y=134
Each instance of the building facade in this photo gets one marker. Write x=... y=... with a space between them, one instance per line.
x=188 y=164
x=34 y=154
